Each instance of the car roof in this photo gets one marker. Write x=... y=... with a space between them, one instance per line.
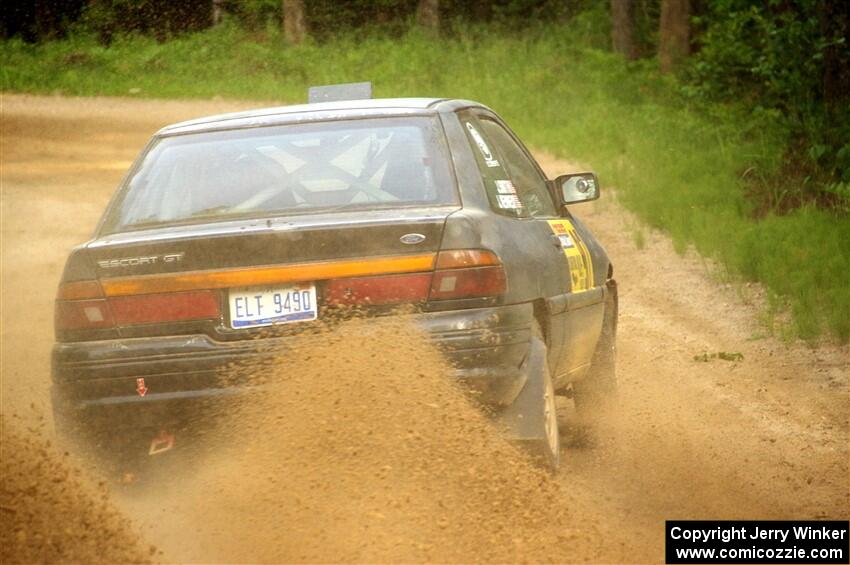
x=323 y=111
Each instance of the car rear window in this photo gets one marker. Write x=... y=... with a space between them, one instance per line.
x=281 y=170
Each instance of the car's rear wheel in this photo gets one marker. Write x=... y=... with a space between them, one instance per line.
x=548 y=447
x=550 y=421
x=532 y=419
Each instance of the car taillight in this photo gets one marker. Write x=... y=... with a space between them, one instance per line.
x=83 y=314
x=81 y=305
x=388 y=289
x=459 y=273
x=171 y=307
x=459 y=258
x=467 y=273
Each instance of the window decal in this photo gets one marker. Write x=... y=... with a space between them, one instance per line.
x=482 y=145
x=509 y=201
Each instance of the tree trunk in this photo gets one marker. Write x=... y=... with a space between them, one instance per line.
x=623 y=28
x=294 y=22
x=216 y=11
x=673 y=33
x=428 y=14
x=835 y=24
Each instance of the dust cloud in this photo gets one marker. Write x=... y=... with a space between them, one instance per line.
x=356 y=447
x=52 y=513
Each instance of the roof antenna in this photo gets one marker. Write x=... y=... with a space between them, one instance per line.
x=340 y=92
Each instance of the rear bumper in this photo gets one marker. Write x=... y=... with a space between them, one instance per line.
x=96 y=380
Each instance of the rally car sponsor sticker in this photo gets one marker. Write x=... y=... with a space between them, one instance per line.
x=576 y=253
x=566 y=240
x=505 y=187
x=509 y=201
x=482 y=146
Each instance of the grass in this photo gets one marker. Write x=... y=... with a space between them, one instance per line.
x=680 y=167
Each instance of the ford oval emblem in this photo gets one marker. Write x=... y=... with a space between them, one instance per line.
x=412 y=238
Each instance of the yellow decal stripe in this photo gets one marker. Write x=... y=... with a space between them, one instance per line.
x=297 y=272
x=578 y=257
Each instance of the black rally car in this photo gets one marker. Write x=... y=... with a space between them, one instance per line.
x=230 y=224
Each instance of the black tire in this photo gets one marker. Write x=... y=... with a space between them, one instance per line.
x=548 y=448
x=596 y=391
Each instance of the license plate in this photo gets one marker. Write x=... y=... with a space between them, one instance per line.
x=253 y=307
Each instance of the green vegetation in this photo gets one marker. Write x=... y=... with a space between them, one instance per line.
x=682 y=164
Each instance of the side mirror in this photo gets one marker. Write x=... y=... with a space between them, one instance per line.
x=575 y=188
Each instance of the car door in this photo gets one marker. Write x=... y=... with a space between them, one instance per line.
x=516 y=185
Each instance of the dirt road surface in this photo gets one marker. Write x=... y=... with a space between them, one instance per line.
x=765 y=437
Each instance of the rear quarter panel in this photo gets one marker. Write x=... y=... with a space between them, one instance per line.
x=535 y=267
x=522 y=244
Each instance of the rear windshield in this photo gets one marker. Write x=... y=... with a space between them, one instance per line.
x=293 y=169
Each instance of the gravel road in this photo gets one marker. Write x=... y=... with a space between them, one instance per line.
x=396 y=472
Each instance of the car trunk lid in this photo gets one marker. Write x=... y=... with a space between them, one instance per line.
x=190 y=278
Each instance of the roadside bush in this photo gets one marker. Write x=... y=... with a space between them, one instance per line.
x=791 y=57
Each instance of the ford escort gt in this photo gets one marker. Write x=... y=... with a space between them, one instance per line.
x=230 y=226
